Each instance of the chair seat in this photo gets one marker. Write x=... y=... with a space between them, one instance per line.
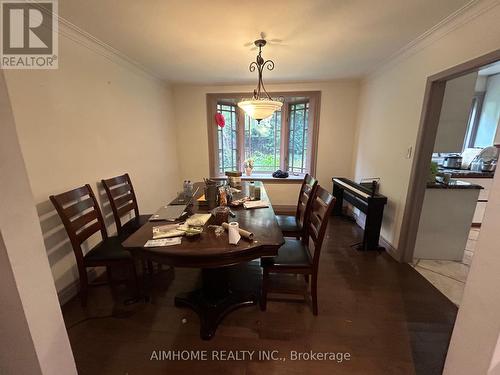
x=108 y=250
x=293 y=253
x=288 y=224
x=133 y=225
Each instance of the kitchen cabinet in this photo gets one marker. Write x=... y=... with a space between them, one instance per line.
x=485 y=183
x=445 y=220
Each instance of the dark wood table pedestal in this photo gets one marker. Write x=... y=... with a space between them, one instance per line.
x=214 y=300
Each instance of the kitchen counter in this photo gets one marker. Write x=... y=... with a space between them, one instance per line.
x=453 y=184
x=466 y=173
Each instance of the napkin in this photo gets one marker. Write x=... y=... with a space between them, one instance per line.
x=234 y=233
x=243 y=233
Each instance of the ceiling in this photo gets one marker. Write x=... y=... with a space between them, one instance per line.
x=206 y=41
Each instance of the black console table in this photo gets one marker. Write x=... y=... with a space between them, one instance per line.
x=367 y=201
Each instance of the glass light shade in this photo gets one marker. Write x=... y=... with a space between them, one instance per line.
x=260 y=109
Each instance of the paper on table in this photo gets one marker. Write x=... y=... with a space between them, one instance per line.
x=163 y=242
x=198 y=220
x=256 y=204
x=167 y=231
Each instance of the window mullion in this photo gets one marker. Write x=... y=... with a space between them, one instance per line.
x=285 y=138
x=240 y=126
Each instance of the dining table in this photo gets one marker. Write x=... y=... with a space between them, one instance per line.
x=212 y=253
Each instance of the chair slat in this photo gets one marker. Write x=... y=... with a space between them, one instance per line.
x=120 y=201
x=88 y=231
x=72 y=195
x=78 y=208
x=84 y=220
x=120 y=190
x=118 y=180
x=304 y=197
x=124 y=209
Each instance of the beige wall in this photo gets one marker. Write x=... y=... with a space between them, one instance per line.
x=33 y=338
x=389 y=117
x=339 y=102
x=95 y=117
x=391 y=102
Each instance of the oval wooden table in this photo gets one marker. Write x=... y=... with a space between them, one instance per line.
x=213 y=255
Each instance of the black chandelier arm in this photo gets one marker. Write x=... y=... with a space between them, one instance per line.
x=269 y=64
x=264 y=89
x=259 y=65
x=253 y=66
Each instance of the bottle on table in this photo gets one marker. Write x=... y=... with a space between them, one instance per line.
x=251 y=190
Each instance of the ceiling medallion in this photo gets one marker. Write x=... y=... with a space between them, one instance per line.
x=260 y=107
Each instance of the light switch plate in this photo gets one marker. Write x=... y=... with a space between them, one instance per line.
x=408 y=152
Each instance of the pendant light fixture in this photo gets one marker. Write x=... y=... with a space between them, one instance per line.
x=261 y=106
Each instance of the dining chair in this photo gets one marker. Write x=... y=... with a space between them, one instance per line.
x=301 y=256
x=123 y=201
x=293 y=225
x=82 y=218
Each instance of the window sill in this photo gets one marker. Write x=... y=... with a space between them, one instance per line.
x=268 y=179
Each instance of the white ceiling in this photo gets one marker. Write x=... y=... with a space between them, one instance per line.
x=203 y=41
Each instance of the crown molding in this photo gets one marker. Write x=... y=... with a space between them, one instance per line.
x=83 y=38
x=465 y=14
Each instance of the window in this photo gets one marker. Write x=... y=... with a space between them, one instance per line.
x=297 y=142
x=286 y=140
x=227 y=148
x=263 y=143
x=472 y=138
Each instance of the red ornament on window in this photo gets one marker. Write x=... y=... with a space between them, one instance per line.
x=220 y=120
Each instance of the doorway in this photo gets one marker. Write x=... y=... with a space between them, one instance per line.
x=420 y=200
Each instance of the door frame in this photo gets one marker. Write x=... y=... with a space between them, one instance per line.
x=427 y=130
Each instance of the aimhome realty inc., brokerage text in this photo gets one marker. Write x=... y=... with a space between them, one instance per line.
x=247 y=355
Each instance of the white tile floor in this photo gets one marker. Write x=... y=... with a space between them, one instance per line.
x=448 y=276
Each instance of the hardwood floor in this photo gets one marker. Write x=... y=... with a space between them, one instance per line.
x=384 y=314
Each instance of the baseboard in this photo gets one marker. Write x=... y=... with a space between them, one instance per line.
x=283 y=209
x=71 y=291
x=391 y=250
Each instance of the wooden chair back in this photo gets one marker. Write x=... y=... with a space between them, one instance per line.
x=307 y=191
x=81 y=217
x=321 y=207
x=121 y=197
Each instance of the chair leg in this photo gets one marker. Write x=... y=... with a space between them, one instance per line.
x=109 y=275
x=150 y=267
x=84 y=286
x=265 y=281
x=314 y=294
x=135 y=277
